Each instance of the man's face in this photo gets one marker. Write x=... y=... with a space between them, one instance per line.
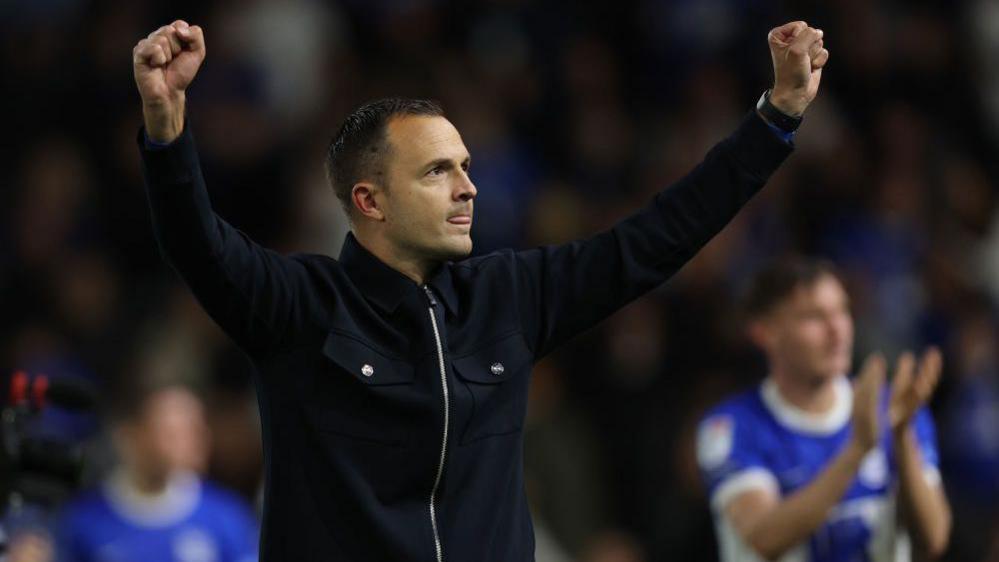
x=810 y=333
x=172 y=433
x=428 y=197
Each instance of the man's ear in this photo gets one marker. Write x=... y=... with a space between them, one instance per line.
x=363 y=196
x=760 y=333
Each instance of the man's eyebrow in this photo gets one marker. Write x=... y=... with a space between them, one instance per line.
x=446 y=162
x=442 y=162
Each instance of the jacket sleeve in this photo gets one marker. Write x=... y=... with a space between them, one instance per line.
x=566 y=289
x=258 y=297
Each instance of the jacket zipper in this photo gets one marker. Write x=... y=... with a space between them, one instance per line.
x=440 y=466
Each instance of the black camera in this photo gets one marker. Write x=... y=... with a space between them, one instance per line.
x=40 y=463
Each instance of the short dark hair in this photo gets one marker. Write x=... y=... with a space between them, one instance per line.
x=360 y=146
x=780 y=279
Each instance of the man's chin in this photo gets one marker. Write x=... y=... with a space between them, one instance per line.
x=840 y=367
x=456 y=251
x=462 y=253
x=822 y=374
x=832 y=370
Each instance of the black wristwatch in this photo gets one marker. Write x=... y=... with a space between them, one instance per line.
x=776 y=117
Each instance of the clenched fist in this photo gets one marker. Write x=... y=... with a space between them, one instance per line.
x=164 y=64
x=798 y=55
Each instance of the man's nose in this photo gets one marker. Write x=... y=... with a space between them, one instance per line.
x=838 y=329
x=465 y=190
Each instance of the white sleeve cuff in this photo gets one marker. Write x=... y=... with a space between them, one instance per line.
x=755 y=478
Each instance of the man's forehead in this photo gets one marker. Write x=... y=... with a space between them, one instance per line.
x=422 y=138
x=821 y=289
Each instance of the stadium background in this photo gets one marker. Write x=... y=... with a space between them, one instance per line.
x=574 y=113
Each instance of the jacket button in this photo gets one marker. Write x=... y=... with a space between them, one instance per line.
x=497 y=368
x=367 y=370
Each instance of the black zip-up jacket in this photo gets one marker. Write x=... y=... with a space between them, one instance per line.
x=392 y=413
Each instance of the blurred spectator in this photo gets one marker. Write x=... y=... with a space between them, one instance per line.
x=971 y=440
x=154 y=505
x=287 y=42
x=806 y=465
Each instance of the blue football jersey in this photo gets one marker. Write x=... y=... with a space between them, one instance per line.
x=193 y=521
x=759 y=441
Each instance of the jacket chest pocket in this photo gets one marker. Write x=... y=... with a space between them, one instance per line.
x=497 y=377
x=362 y=392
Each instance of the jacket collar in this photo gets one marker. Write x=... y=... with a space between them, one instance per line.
x=386 y=287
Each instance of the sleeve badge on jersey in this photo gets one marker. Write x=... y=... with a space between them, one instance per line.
x=714 y=441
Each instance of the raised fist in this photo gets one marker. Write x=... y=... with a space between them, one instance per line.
x=798 y=55
x=164 y=64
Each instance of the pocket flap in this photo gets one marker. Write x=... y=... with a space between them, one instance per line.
x=364 y=362
x=495 y=362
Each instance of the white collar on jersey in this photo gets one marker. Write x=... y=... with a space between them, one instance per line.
x=171 y=506
x=795 y=418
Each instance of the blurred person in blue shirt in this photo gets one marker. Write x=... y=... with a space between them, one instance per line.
x=807 y=466
x=154 y=506
x=970 y=433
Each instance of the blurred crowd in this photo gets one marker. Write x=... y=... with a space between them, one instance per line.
x=575 y=113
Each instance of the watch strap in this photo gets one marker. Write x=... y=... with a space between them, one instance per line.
x=775 y=116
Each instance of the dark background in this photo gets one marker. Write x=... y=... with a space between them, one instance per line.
x=575 y=113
